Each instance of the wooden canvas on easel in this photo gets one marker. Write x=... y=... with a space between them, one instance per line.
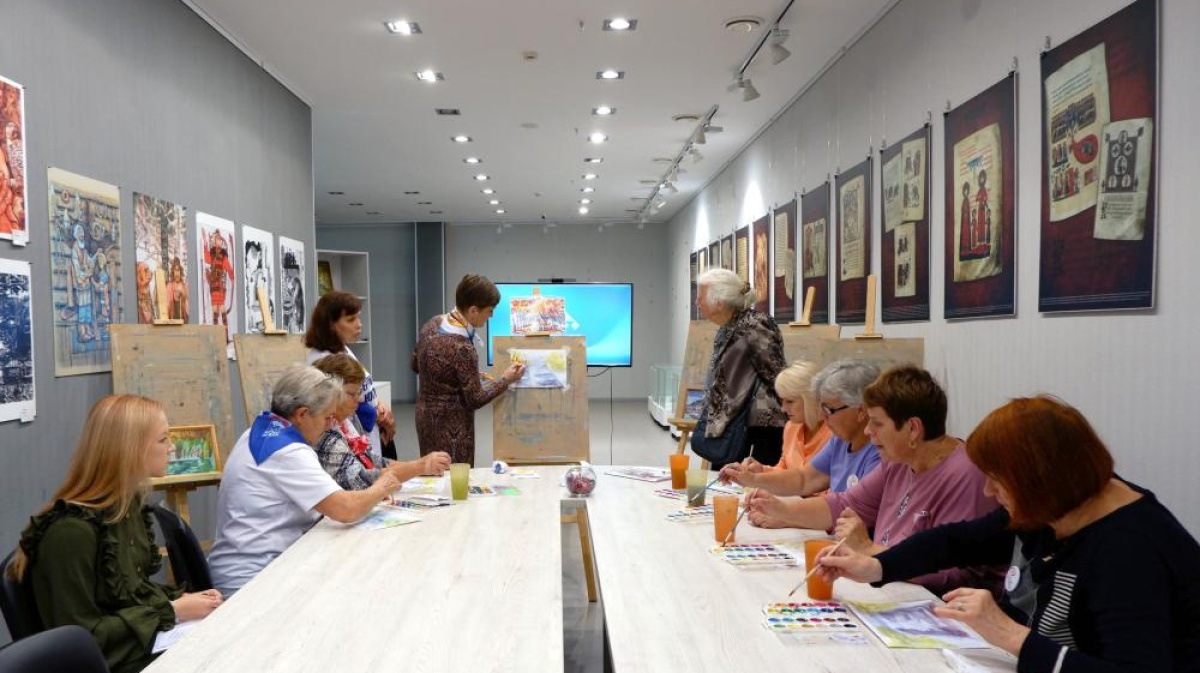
x=183 y=367
x=262 y=359
x=542 y=425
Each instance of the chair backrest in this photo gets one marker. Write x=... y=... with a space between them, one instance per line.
x=66 y=649
x=17 y=604
x=183 y=550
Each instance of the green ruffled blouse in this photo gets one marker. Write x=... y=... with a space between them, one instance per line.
x=97 y=575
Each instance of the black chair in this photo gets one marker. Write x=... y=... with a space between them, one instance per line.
x=188 y=564
x=17 y=604
x=66 y=649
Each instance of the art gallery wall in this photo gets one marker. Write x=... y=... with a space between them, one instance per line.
x=145 y=95
x=618 y=254
x=1133 y=374
x=392 y=249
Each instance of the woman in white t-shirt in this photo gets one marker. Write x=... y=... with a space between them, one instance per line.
x=274 y=489
x=337 y=322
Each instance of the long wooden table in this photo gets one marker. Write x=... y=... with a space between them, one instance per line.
x=477 y=587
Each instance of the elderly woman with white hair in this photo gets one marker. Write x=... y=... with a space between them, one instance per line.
x=846 y=457
x=741 y=408
x=274 y=489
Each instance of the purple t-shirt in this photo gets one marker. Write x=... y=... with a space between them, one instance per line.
x=845 y=469
x=897 y=502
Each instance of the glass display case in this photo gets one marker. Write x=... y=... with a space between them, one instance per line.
x=666 y=388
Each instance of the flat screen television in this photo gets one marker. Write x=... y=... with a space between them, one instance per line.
x=601 y=312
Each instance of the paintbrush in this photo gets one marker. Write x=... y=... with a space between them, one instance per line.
x=702 y=491
x=739 y=520
x=813 y=570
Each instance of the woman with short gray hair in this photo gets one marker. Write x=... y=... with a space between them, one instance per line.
x=847 y=457
x=273 y=488
x=742 y=408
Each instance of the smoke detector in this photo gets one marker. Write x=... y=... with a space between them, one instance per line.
x=743 y=24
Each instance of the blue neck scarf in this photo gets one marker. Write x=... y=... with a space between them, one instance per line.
x=271 y=433
x=367 y=415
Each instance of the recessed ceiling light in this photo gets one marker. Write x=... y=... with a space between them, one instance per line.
x=593 y=160
x=686 y=117
x=481 y=177
x=588 y=190
x=403 y=27
x=585 y=201
x=499 y=211
x=604 y=110
x=336 y=193
x=429 y=76
x=610 y=74
x=412 y=193
x=489 y=190
x=619 y=24
x=583 y=210
x=597 y=138
x=424 y=203
x=472 y=160
x=590 y=176
x=494 y=202
x=448 y=111
x=743 y=24
x=354 y=204
x=461 y=139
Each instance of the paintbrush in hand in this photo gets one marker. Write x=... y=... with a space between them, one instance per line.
x=745 y=508
x=812 y=571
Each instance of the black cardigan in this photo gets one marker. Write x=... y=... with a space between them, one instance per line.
x=1121 y=594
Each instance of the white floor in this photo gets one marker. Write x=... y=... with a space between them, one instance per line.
x=635 y=440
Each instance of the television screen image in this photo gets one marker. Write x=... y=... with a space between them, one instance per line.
x=600 y=312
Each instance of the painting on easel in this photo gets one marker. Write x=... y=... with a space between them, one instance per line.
x=195 y=452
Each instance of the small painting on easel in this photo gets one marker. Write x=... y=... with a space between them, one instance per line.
x=693 y=405
x=196 y=451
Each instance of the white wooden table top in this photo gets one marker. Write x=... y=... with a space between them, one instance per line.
x=477 y=587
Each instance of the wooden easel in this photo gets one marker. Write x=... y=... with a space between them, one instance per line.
x=869 y=331
x=806 y=314
x=264 y=305
x=179 y=486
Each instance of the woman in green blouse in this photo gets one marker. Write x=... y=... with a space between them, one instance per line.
x=90 y=552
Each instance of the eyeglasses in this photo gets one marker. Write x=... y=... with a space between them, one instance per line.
x=829 y=411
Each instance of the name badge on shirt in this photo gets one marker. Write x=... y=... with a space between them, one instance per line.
x=1012 y=579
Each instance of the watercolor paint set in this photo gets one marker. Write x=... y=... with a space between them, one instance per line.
x=692 y=514
x=756 y=556
x=809 y=617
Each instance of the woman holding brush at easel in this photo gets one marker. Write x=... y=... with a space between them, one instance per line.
x=845 y=454
x=925 y=480
x=1103 y=576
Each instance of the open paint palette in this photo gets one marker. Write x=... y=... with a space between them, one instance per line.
x=809 y=617
x=756 y=556
x=692 y=514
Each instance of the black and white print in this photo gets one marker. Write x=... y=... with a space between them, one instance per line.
x=258 y=270
x=17 y=400
x=291 y=284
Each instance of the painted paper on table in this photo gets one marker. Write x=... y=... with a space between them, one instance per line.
x=913 y=625
x=977 y=198
x=1076 y=112
x=85 y=270
x=423 y=486
x=537 y=313
x=544 y=367
x=17 y=399
x=386 y=516
x=218 y=281
x=291 y=284
x=159 y=236
x=13 y=203
x=650 y=474
x=258 y=256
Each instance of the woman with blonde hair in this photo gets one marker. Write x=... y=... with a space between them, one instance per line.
x=90 y=552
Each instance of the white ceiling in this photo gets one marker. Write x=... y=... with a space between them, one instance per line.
x=376 y=135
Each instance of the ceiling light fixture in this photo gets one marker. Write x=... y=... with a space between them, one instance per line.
x=593 y=160
x=472 y=160
x=743 y=24
x=604 y=110
x=482 y=176
x=336 y=193
x=585 y=201
x=403 y=27
x=429 y=76
x=590 y=176
x=588 y=190
x=494 y=202
x=489 y=190
x=700 y=137
x=779 y=53
x=610 y=74
x=583 y=210
x=499 y=211
x=597 y=138
x=696 y=156
x=671 y=188
x=461 y=139
x=742 y=82
x=620 y=24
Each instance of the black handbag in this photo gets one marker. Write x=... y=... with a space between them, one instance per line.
x=726 y=447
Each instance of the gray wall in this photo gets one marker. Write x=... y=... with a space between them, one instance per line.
x=393 y=296
x=621 y=253
x=1130 y=373
x=145 y=95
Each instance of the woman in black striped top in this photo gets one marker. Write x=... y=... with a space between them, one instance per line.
x=1102 y=576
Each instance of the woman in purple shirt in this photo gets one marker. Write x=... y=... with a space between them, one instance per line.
x=925 y=480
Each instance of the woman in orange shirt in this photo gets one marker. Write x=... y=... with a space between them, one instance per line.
x=803 y=436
